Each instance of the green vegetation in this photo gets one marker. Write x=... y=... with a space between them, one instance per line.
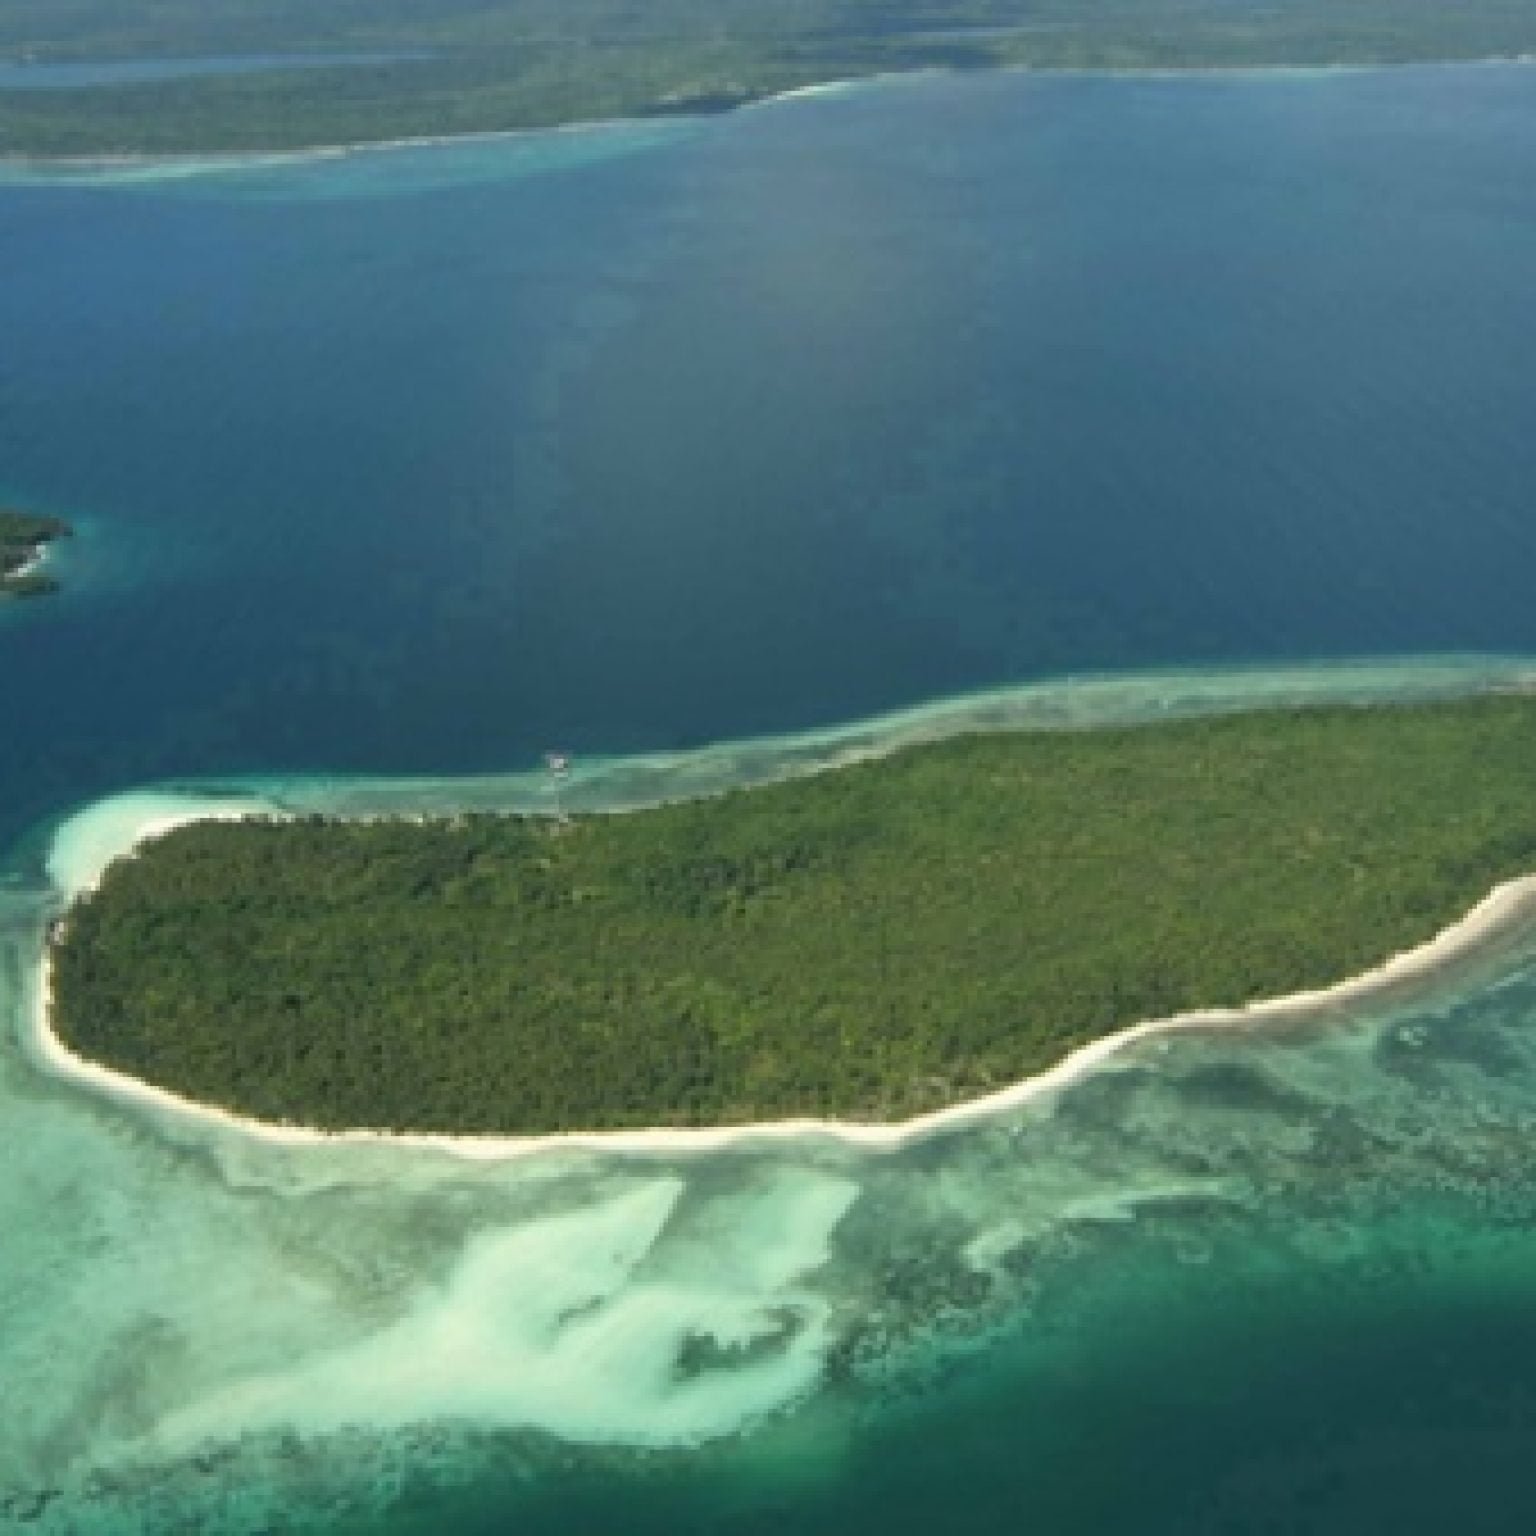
x=867 y=943
x=502 y=64
x=22 y=538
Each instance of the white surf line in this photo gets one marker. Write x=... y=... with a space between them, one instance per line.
x=1499 y=911
x=841 y=85
x=175 y=165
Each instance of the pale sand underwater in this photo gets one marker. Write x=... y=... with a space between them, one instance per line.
x=256 y=1284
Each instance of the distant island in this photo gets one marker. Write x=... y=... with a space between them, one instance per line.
x=465 y=66
x=867 y=943
x=23 y=540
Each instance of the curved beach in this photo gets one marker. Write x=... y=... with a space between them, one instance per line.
x=87 y=844
x=1502 y=909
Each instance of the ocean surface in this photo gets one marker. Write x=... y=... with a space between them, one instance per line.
x=1055 y=399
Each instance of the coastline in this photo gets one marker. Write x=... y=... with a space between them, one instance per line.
x=1499 y=911
x=16 y=583
x=28 y=541
x=194 y=161
x=34 y=563
x=13 y=583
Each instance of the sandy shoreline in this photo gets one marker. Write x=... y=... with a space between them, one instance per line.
x=1500 y=910
x=214 y=160
x=31 y=565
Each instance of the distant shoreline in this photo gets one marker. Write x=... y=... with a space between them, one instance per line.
x=25 y=543
x=216 y=160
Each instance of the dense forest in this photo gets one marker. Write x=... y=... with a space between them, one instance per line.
x=869 y=942
x=22 y=538
x=482 y=65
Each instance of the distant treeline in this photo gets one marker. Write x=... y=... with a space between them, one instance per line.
x=866 y=943
x=526 y=63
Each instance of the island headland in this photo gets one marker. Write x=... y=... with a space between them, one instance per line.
x=869 y=944
x=397 y=71
x=24 y=540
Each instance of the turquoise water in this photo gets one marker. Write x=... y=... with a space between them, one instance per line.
x=398 y=464
x=1206 y=1262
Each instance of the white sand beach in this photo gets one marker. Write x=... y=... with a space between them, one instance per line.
x=88 y=843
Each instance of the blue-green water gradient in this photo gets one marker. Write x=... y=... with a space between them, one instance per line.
x=417 y=462
x=431 y=459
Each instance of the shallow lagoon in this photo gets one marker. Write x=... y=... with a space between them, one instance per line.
x=210 y=1329
x=416 y=465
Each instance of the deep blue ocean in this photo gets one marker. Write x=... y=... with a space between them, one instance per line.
x=432 y=460
x=423 y=461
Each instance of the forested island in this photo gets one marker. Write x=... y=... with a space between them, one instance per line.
x=23 y=539
x=468 y=66
x=866 y=943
